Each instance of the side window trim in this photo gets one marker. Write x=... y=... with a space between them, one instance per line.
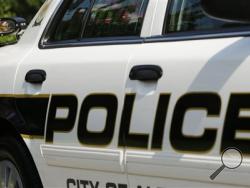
x=196 y=36
x=93 y=42
x=166 y=17
x=123 y=40
x=54 y=17
x=86 y=20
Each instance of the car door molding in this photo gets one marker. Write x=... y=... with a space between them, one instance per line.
x=84 y=158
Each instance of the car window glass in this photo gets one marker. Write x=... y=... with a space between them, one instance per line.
x=70 y=25
x=115 y=18
x=187 y=15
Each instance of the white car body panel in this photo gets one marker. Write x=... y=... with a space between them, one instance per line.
x=222 y=75
x=209 y=65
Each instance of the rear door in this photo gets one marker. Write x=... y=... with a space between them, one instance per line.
x=85 y=81
x=182 y=123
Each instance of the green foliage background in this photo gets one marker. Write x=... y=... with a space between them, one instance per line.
x=22 y=8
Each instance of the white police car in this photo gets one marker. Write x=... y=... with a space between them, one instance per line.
x=127 y=94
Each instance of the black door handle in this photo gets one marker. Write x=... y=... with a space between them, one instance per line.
x=35 y=76
x=146 y=73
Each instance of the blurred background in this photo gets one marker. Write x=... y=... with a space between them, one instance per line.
x=22 y=8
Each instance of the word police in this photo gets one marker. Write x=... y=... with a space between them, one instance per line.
x=210 y=102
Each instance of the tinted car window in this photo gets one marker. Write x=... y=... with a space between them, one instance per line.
x=187 y=15
x=72 y=20
x=114 y=18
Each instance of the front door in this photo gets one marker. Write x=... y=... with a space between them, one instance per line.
x=85 y=82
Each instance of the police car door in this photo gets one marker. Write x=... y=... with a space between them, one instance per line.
x=182 y=123
x=82 y=74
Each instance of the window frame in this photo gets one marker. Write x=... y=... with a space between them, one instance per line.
x=56 y=17
x=197 y=35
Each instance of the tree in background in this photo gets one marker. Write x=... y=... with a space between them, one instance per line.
x=22 y=8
